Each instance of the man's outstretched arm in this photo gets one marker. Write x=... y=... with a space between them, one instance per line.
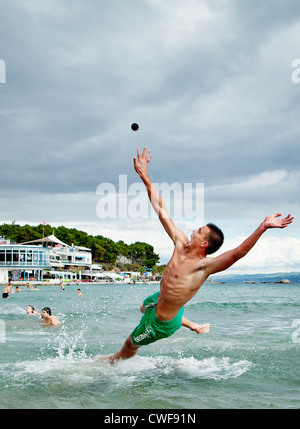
x=140 y=165
x=224 y=261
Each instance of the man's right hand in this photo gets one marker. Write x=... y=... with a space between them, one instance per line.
x=141 y=162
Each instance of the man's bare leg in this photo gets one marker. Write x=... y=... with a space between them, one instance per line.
x=127 y=351
x=200 y=329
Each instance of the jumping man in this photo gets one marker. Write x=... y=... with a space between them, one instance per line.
x=186 y=271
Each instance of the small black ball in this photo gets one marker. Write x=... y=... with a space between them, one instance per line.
x=134 y=127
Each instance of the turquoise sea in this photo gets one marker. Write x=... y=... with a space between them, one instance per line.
x=249 y=359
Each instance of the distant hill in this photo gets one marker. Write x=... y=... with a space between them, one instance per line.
x=276 y=277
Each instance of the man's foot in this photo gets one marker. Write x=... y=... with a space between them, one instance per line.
x=127 y=351
x=200 y=329
x=104 y=358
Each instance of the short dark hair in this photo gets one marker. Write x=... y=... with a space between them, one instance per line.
x=47 y=309
x=215 y=239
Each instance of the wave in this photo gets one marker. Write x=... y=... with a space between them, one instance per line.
x=12 y=309
x=66 y=358
x=75 y=369
x=212 y=368
x=209 y=368
x=242 y=305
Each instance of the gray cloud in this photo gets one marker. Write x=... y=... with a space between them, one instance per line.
x=209 y=82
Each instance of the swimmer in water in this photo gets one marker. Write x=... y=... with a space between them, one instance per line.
x=31 y=311
x=187 y=270
x=48 y=318
x=7 y=290
x=79 y=292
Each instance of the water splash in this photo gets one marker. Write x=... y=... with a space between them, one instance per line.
x=212 y=368
x=71 y=347
x=12 y=309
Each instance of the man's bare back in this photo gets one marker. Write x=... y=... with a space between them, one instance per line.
x=188 y=267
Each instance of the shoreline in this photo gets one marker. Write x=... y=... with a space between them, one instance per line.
x=102 y=282
x=75 y=283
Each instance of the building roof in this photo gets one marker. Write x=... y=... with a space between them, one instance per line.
x=50 y=239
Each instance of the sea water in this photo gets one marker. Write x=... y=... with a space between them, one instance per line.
x=249 y=359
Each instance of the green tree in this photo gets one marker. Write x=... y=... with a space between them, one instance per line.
x=103 y=249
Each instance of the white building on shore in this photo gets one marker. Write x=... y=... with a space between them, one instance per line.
x=50 y=259
x=66 y=262
x=46 y=257
x=19 y=262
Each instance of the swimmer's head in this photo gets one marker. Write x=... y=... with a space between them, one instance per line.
x=46 y=310
x=29 y=309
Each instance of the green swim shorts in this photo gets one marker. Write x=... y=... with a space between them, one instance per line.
x=151 y=328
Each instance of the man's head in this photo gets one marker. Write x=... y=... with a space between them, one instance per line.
x=46 y=312
x=215 y=238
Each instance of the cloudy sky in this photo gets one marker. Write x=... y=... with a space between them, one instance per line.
x=210 y=83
